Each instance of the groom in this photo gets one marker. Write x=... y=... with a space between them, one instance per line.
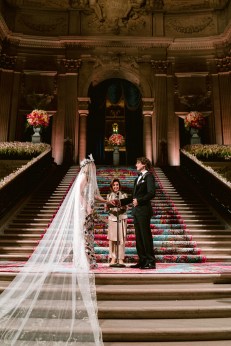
x=143 y=192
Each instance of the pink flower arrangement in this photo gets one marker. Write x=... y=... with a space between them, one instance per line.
x=38 y=118
x=194 y=120
x=116 y=139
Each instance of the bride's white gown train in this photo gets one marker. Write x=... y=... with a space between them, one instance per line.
x=52 y=300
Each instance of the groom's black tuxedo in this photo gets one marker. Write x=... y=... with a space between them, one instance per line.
x=143 y=191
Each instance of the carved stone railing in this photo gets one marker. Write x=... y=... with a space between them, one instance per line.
x=24 y=181
x=218 y=191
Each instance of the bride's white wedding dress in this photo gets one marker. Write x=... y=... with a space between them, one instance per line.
x=52 y=300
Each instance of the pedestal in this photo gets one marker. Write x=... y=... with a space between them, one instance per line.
x=36 y=137
x=116 y=156
x=195 y=138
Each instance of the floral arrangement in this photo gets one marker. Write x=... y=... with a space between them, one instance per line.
x=194 y=120
x=116 y=139
x=38 y=118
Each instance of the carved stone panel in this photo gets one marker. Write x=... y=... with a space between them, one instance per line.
x=190 y=25
x=45 y=24
x=116 y=17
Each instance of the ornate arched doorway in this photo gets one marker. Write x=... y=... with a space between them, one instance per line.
x=115 y=101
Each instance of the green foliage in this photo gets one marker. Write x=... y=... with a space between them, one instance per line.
x=210 y=152
x=21 y=150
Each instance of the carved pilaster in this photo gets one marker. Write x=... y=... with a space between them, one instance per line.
x=225 y=86
x=216 y=116
x=59 y=121
x=6 y=82
x=71 y=116
x=147 y=128
x=83 y=113
x=172 y=145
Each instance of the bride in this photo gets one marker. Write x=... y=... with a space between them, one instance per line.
x=52 y=300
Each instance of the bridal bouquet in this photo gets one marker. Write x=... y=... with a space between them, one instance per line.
x=116 y=139
x=194 y=120
x=38 y=118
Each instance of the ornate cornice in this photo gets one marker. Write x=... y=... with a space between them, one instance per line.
x=90 y=42
x=4 y=31
x=192 y=44
x=176 y=5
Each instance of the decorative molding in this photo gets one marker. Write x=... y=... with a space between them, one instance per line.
x=116 y=61
x=83 y=105
x=194 y=102
x=223 y=64
x=160 y=66
x=148 y=106
x=190 y=25
x=71 y=65
x=169 y=5
x=143 y=43
x=7 y=62
x=194 y=5
x=46 y=26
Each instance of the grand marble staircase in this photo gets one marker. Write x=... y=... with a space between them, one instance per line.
x=143 y=309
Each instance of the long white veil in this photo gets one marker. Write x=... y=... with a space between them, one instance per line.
x=52 y=300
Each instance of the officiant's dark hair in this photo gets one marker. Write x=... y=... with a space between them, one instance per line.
x=113 y=181
x=145 y=161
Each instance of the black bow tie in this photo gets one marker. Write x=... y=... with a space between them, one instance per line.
x=139 y=174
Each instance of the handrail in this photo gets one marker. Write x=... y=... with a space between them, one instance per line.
x=23 y=180
x=210 y=183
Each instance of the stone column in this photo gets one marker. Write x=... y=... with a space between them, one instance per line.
x=222 y=100
x=71 y=67
x=59 y=121
x=14 y=105
x=82 y=135
x=225 y=87
x=173 y=135
x=160 y=121
x=83 y=113
x=216 y=116
x=6 y=82
x=7 y=95
x=147 y=128
x=160 y=114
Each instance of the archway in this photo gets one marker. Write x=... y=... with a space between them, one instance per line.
x=118 y=101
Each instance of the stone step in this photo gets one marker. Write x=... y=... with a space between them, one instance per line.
x=23 y=249
x=174 y=330
x=139 y=309
x=130 y=330
x=14 y=257
x=168 y=343
x=141 y=292
x=170 y=292
x=143 y=343
x=16 y=237
x=18 y=243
